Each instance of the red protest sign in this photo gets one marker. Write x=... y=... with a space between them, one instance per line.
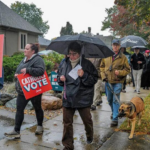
x=1 y=52
x=33 y=86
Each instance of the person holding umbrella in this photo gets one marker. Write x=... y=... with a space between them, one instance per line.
x=113 y=71
x=137 y=61
x=145 y=82
x=78 y=93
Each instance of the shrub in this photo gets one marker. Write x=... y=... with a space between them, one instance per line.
x=10 y=64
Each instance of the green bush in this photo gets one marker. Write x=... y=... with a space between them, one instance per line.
x=49 y=66
x=54 y=57
x=10 y=64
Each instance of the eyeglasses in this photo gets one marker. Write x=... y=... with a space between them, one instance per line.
x=73 y=54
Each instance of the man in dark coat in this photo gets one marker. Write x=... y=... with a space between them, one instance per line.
x=78 y=93
x=145 y=82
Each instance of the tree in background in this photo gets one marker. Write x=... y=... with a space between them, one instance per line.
x=129 y=17
x=32 y=14
x=106 y=24
x=67 y=30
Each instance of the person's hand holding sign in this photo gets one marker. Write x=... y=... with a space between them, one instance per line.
x=80 y=72
x=16 y=75
x=62 y=78
x=23 y=70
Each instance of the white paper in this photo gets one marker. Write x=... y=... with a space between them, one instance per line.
x=74 y=72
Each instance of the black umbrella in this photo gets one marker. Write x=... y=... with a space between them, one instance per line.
x=132 y=40
x=92 y=47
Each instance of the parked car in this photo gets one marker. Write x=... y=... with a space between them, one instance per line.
x=45 y=52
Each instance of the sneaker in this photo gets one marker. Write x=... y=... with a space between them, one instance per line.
x=89 y=140
x=39 y=130
x=13 y=134
x=124 y=91
x=114 y=123
x=93 y=107
x=99 y=103
x=138 y=92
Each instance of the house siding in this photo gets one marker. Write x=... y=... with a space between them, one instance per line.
x=12 y=42
x=32 y=38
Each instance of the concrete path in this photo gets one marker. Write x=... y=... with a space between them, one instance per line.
x=105 y=138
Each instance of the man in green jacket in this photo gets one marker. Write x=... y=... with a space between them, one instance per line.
x=114 y=70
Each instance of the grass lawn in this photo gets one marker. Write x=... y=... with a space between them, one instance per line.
x=144 y=128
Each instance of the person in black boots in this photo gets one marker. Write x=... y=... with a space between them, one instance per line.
x=145 y=82
x=137 y=61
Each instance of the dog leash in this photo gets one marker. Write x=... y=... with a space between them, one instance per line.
x=111 y=90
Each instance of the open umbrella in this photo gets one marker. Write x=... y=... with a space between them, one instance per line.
x=142 y=48
x=132 y=40
x=92 y=47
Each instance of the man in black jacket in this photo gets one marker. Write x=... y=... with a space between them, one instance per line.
x=137 y=61
x=78 y=93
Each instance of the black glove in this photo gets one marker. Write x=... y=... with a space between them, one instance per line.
x=105 y=80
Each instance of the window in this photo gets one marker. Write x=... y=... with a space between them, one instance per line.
x=22 y=40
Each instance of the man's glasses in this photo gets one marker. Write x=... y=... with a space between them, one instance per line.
x=73 y=54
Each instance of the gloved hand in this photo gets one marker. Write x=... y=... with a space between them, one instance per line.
x=105 y=80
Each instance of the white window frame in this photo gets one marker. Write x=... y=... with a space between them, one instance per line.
x=22 y=40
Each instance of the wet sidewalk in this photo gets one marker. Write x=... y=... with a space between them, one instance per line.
x=105 y=138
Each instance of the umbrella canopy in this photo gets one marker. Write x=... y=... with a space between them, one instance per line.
x=142 y=48
x=132 y=40
x=91 y=47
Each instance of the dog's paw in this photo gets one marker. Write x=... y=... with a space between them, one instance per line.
x=130 y=137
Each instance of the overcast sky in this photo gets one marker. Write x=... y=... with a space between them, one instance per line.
x=80 y=13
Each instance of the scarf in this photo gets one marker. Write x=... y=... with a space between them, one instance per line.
x=74 y=62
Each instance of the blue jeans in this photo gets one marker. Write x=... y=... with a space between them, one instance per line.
x=117 y=87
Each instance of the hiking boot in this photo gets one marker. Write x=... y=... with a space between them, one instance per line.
x=93 y=107
x=138 y=92
x=100 y=102
x=39 y=130
x=89 y=140
x=13 y=134
x=114 y=123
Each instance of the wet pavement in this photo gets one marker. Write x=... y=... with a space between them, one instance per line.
x=105 y=138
